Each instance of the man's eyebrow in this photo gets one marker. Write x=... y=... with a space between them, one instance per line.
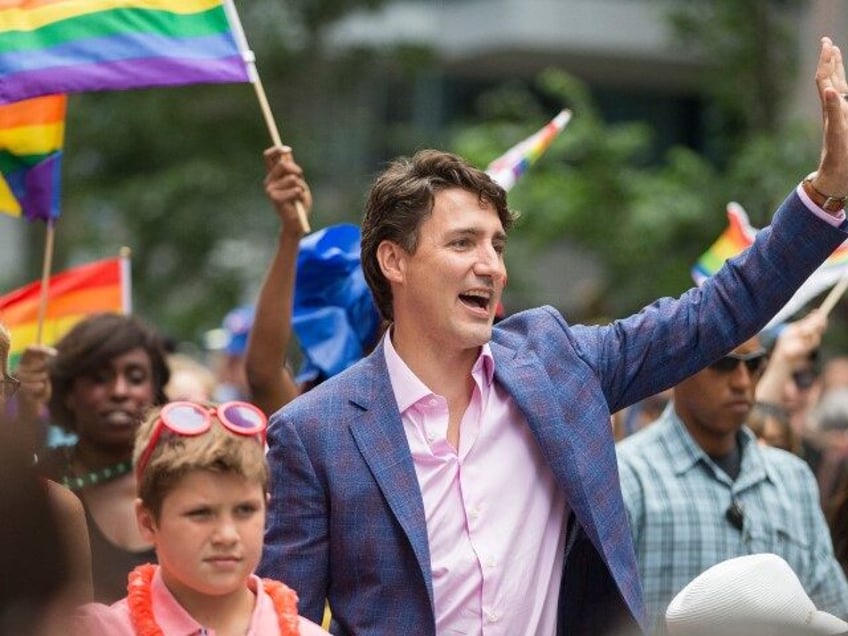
x=471 y=231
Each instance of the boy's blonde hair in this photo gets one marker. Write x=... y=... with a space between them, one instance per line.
x=218 y=450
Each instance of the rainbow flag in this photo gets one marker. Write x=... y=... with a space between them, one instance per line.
x=739 y=235
x=68 y=46
x=507 y=168
x=32 y=133
x=72 y=295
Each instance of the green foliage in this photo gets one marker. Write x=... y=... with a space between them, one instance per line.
x=176 y=174
x=646 y=224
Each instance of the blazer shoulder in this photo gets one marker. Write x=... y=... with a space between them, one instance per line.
x=337 y=393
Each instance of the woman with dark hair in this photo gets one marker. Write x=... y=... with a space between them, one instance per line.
x=108 y=371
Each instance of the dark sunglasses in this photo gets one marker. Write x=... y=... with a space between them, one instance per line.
x=804 y=379
x=755 y=362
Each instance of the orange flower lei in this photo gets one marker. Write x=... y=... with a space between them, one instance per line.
x=140 y=603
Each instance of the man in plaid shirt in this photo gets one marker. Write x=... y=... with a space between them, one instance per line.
x=699 y=489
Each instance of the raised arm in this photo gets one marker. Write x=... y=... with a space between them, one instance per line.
x=831 y=178
x=271 y=385
x=793 y=348
x=31 y=398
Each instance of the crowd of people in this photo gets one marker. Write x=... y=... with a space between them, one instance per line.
x=466 y=475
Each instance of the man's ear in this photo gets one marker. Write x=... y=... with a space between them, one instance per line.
x=146 y=521
x=392 y=260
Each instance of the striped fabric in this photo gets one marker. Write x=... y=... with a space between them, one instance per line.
x=511 y=165
x=66 y=46
x=101 y=286
x=31 y=137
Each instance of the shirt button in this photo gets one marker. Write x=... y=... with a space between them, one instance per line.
x=492 y=616
x=430 y=436
x=474 y=512
x=491 y=562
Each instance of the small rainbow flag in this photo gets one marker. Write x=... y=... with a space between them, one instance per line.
x=101 y=286
x=507 y=168
x=739 y=236
x=67 y=46
x=32 y=133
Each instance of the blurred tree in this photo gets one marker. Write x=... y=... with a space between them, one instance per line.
x=647 y=223
x=176 y=173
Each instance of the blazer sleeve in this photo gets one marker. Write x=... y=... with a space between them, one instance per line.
x=672 y=339
x=296 y=549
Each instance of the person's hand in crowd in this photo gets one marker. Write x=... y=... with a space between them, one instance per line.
x=271 y=385
x=792 y=350
x=34 y=373
x=284 y=186
x=799 y=339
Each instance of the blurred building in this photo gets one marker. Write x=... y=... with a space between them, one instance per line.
x=623 y=50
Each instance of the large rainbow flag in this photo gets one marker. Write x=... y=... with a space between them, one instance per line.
x=67 y=46
x=72 y=295
x=32 y=133
x=507 y=168
x=739 y=235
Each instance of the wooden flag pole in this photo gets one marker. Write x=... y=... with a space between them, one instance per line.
x=275 y=138
x=46 y=268
x=835 y=294
x=253 y=75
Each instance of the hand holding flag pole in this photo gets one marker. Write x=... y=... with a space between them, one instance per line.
x=835 y=294
x=253 y=74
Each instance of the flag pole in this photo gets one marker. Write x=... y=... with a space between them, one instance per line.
x=46 y=268
x=125 y=255
x=253 y=74
x=275 y=138
x=834 y=295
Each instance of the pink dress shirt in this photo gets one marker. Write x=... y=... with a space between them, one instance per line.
x=834 y=219
x=96 y=619
x=495 y=515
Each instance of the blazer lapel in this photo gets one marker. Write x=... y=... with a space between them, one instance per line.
x=567 y=446
x=523 y=376
x=379 y=435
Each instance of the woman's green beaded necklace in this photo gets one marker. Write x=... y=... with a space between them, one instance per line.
x=94 y=477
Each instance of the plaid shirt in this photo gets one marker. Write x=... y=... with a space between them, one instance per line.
x=676 y=498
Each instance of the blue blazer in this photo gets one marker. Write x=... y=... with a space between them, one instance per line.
x=346 y=519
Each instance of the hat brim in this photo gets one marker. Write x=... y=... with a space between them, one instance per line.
x=824 y=623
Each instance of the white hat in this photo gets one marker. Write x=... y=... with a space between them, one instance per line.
x=758 y=589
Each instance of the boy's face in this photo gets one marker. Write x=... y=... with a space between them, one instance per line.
x=208 y=538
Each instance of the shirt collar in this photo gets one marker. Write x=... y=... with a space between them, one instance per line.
x=685 y=452
x=408 y=389
x=173 y=618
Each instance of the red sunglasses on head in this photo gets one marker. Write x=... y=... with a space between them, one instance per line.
x=189 y=420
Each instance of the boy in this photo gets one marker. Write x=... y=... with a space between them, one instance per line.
x=202 y=486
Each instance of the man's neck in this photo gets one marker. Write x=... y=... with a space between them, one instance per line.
x=445 y=371
x=713 y=444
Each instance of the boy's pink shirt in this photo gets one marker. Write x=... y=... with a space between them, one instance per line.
x=94 y=619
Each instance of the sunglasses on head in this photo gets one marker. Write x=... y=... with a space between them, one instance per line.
x=189 y=420
x=755 y=362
